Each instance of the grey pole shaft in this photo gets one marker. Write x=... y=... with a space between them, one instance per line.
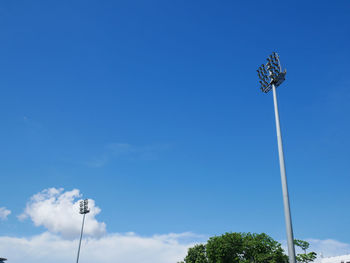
x=287 y=214
x=81 y=236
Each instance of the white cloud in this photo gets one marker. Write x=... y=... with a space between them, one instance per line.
x=126 y=248
x=4 y=212
x=329 y=247
x=57 y=211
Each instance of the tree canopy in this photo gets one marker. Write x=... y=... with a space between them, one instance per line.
x=244 y=248
x=197 y=254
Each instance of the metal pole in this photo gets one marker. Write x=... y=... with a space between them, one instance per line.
x=81 y=236
x=287 y=215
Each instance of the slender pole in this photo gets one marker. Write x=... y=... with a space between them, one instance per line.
x=81 y=236
x=287 y=214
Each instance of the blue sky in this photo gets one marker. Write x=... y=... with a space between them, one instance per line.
x=153 y=109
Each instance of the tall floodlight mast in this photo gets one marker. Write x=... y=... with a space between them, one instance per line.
x=271 y=76
x=83 y=210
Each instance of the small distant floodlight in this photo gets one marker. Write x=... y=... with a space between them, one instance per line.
x=84 y=209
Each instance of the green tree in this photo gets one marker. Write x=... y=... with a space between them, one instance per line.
x=196 y=254
x=302 y=244
x=262 y=248
x=306 y=257
x=238 y=248
x=225 y=248
x=244 y=248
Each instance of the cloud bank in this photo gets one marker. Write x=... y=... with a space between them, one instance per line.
x=56 y=210
x=126 y=248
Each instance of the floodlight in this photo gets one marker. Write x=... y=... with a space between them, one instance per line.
x=270 y=72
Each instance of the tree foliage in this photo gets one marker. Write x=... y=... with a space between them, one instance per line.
x=302 y=244
x=262 y=248
x=306 y=257
x=244 y=248
x=237 y=248
x=196 y=254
